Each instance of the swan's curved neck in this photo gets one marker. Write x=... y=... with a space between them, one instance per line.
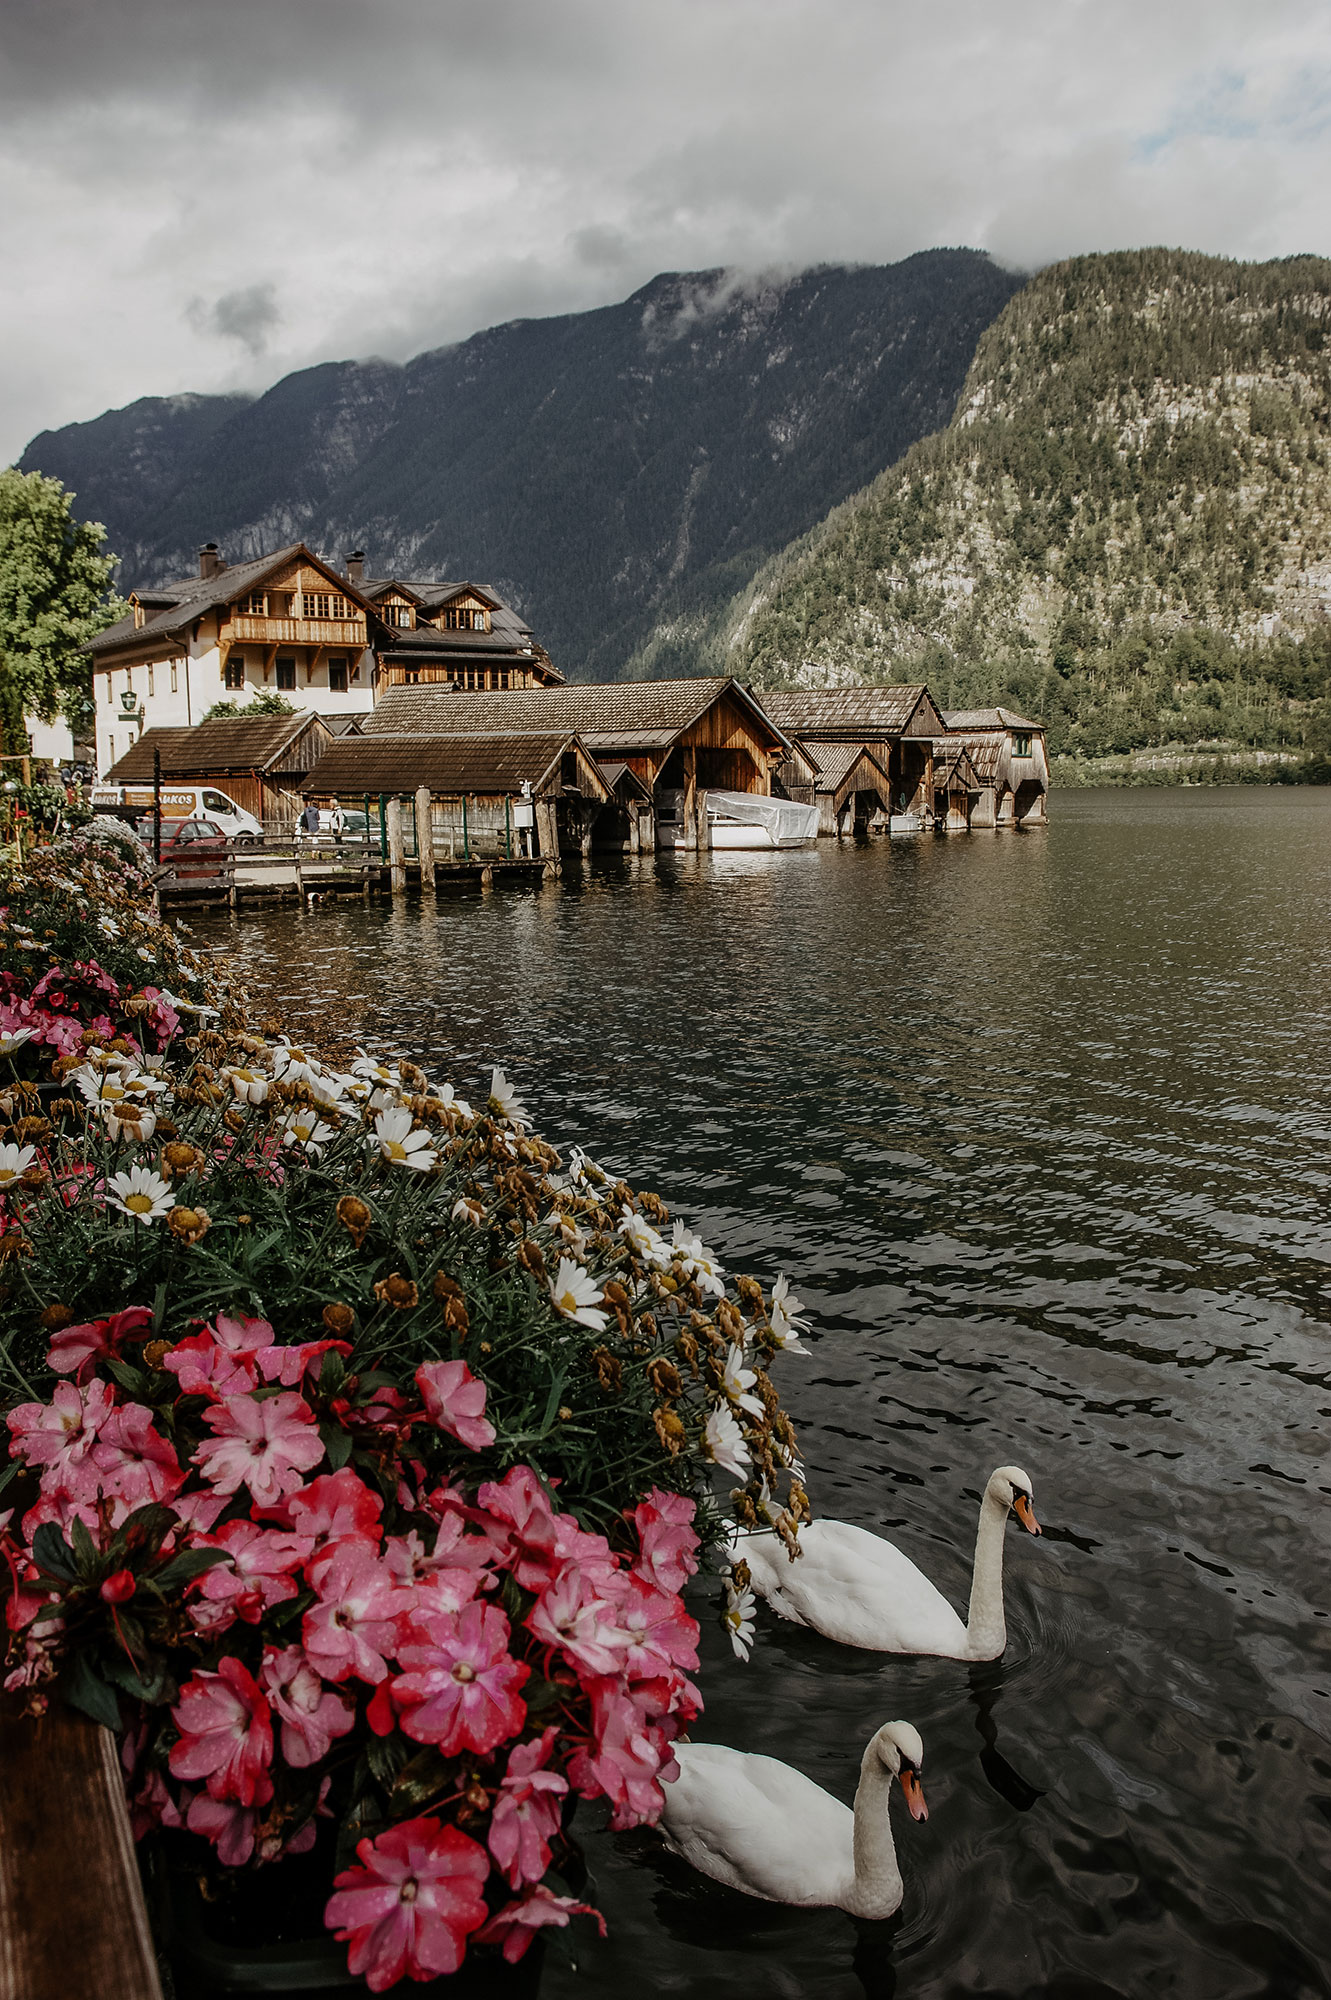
x=986 y=1631
x=878 y=1885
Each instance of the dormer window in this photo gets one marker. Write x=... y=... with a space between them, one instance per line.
x=396 y=611
x=1021 y=746
x=462 y=618
x=140 y=615
x=324 y=604
x=255 y=605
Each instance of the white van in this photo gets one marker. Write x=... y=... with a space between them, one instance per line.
x=185 y=801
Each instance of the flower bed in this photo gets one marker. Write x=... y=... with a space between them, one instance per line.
x=360 y=1447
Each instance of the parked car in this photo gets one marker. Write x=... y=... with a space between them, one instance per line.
x=189 y=846
x=184 y=801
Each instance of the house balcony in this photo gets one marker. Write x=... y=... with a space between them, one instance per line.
x=344 y=632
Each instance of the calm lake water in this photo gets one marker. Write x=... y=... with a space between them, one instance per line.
x=1040 y=1126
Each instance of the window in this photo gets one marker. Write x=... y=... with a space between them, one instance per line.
x=286 y=676
x=234 y=674
x=173 y=677
x=150 y=677
x=255 y=605
x=456 y=619
x=1021 y=745
x=397 y=613
x=355 y=672
x=568 y=770
x=323 y=604
x=503 y=677
x=129 y=680
x=337 y=677
x=217 y=802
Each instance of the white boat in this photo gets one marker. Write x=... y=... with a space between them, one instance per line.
x=738 y=820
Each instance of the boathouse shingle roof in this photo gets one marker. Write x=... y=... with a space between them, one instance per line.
x=619 y=716
x=836 y=761
x=961 y=719
x=449 y=766
x=236 y=743
x=852 y=711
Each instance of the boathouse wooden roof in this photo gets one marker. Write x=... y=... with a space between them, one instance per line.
x=954 y=769
x=454 y=766
x=820 y=714
x=983 y=753
x=263 y=744
x=965 y=719
x=618 y=716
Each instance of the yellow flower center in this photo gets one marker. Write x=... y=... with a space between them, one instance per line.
x=140 y=1203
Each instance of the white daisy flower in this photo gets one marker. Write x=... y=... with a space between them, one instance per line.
x=725 y=1442
x=450 y=1100
x=249 y=1085
x=786 y=1318
x=738 y=1380
x=142 y=951
x=464 y=1209
x=569 y=1231
x=375 y=1072
x=398 y=1143
x=738 y=1619
x=698 y=1260
x=584 y=1172
x=141 y=1194
x=503 y=1101
x=130 y=1117
x=644 y=1241
x=14 y=1163
x=11 y=1044
x=109 y=925
x=307 y=1130
x=577 y=1296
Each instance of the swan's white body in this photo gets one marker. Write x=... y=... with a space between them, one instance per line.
x=859 y=1589
x=761 y=1827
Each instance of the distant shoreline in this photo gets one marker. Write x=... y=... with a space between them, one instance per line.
x=1174 y=764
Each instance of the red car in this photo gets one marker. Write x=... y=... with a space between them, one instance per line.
x=189 y=846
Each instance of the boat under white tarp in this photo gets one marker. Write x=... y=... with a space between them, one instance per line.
x=752 y=820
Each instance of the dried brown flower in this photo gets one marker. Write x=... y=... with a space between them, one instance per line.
x=178 y=1158
x=189 y=1225
x=355 y=1218
x=565 y=1414
x=28 y=1129
x=445 y=1287
x=529 y=1256
x=55 y=1317
x=615 y=1293
x=397 y=1291
x=135 y=1005
x=670 y=1430
x=751 y=1292
x=664 y=1377
x=456 y=1317
x=339 y=1319
x=156 y=1352
x=234 y=1119
x=609 y=1370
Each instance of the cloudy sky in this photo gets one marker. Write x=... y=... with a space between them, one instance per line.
x=203 y=194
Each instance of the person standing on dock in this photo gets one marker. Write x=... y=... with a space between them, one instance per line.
x=308 y=824
x=337 y=821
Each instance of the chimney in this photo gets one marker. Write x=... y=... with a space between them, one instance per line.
x=210 y=562
x=355 y=563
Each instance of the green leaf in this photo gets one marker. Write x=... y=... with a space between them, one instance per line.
x=84 y=1689
x=51 y=1554
x=339 y=1444
x=332 y=1374
x=154 y=1685
x=10 y=1471
x=146 y=1528
x=385 y=1755
x=424 y=1778
x=186 y=1566
x=132 y=1380
x=87 y=1555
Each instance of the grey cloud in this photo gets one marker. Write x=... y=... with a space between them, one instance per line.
x=247 y=316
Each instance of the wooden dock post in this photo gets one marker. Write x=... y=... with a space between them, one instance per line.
x=72 y=1919
x=547 y=828
x=397 y=854
x=425 y=837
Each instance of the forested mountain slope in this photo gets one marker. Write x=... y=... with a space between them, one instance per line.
x=592 y=467
x=1125 y=528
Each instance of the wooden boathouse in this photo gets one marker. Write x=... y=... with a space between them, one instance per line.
x=678 y=739
x=1007 y=753
x=260 y=761
x=874 y=748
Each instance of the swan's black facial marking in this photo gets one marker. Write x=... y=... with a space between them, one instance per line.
x=910 y=1785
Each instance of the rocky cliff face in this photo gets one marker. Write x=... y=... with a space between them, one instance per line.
x=603 y=470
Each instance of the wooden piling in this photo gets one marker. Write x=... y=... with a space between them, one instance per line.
x=397 y=853
x=425 y=837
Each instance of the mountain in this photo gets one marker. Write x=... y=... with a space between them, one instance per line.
x=602 y=470
x=1125 y=528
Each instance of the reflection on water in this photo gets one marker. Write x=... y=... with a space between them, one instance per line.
x=1038 y=1125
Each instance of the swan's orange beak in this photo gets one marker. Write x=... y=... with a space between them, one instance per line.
x=910 y=1785
x=1025 y=1513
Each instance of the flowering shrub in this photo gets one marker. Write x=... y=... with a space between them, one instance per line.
x=360 y=1447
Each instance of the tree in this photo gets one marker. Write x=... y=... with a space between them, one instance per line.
x=55 y=593
x=267 y=702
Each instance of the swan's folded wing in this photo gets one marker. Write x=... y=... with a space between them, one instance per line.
x=862 y=1590
x=760 y=1826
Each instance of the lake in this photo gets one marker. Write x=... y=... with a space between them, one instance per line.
x=1039 y=1125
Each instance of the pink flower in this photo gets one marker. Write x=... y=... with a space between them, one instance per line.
x=525 y=1818
x=137 y=1463
x=592 y=1554
x=461 y=1686
x=519 y=1500
x=516 y=1924
x=263 y=1445
x=226 y=1734
x=199 y=1508
x=355 y=1623
x=455 y=1402
x=311 y=1714
x=289 y=1364
x=569 y=1615
x=261 y=1573
x=662 y=1635
x=625 y=1760
x=153 y=1806
x=410 y=1905
x=162 y=1016
x=230 y=1827
x=668 y=1544
x=336 y=1507
x=221 y=1360
x=444 y=1580
x=61 y=1433
x=75 y=1348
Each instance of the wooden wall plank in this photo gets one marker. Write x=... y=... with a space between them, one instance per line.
x=72 y=1920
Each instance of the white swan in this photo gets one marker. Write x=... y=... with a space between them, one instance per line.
x=757 y=1825
x=857 y=1588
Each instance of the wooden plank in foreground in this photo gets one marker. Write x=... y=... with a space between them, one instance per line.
x=72 y=1920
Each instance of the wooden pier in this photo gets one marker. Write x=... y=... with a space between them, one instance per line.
x=312 y=872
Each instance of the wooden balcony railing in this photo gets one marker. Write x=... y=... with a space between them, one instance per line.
x=348 y=632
